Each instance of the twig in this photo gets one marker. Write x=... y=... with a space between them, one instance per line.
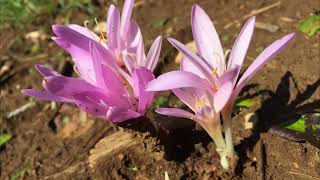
x=301 y=174
x=20 y=109
x=253 y=13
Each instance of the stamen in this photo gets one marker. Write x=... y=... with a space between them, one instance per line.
x=214 y=72
x=101 y=37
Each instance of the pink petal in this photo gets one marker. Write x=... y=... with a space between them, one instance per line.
x=197 y=62
x=81 y=58
x=206 y=38
x=270 y=52
x=153 y=54
x=187 y=65
x=241 y=45
x=117 y=114
x=84 y=31
x=221 y=97
x=177 y=79
x=97 y=58
x=44 y=71
x=113 y=28
x=45 y=96
x=177 y=113
x=189 y=96
x=126 y=15
x=141 y=77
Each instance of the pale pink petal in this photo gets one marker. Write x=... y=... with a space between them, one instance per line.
x=84 y=31
x=113 y=28
x=187 y=65
x=141 y=77
x=222 y=96
x=241 y=45
x=177 y=113
x=117 y=114
x=197 y=61
x=44 y=71
x=126 y=16
x=206 y=38
x=177 y=79
x=153 y=54
x=270 y=52
x=43 y=95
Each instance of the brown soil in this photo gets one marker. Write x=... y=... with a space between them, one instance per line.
x=55 y=141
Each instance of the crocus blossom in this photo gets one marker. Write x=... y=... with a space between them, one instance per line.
x=113 y=71
x=208 y=84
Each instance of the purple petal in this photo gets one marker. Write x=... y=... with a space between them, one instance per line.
x=66 y=86
x=198 y=62
x=189 y=96
x=141 y=77
x=177 y=79
x=230 y=75
x=153 y=54
x=84 y=31
x=112 y=81
x=97 y=59
x=177 y=113
x=241 y=45
x=133 y=37
x=117 y=114
x=44 y=71
x=206 y=38
x=45 y=96
x=270 y=52
x=140 y=54
x=113 y=28
x=81 y=58
x=126 y=15
x=221 y=97
x=68 y=34
x=187 y=65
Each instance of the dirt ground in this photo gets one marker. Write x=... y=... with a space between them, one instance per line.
x=56 y=141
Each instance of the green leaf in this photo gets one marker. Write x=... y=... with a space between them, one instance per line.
x=310 y=25
x=160 y=23
x=160 y=101
x=298 y=125
x=246 y=103
x=4 y=138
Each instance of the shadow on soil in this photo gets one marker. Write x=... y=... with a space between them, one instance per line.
x=277 y=108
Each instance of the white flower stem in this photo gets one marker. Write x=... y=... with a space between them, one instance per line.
x=227 y=125
x=215 y=131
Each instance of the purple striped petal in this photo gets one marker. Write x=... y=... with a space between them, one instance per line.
x=187 y=65
x=206 y=38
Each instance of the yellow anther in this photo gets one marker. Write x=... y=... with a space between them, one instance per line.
x=214 y=71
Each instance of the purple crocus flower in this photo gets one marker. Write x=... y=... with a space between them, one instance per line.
x=113 y=72
x=208 y=84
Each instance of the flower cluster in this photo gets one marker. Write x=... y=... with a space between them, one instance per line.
x=112 y=72
x=116 y=80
